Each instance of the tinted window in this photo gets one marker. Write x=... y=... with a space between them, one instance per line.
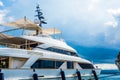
x=60 y=51
x=4 y=62
x=70 y=65
x=58 y=64
x=47 y=64
x=43 y=64
x=86 y=66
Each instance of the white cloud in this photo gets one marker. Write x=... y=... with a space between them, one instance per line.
x=2 y=15
x=1 y=3
x=114 y=12
x=115 y=16
x=11 y=18
x=111 y=23
x=95 y=1
x=93 y=5
x=113 y=30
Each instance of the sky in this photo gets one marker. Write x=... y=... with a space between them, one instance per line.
x=90 y=26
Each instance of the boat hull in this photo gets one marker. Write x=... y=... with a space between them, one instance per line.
x=44 y=74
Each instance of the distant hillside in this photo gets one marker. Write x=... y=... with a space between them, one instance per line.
x=95 y=54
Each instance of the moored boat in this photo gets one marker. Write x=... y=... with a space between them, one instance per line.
x=37 y=54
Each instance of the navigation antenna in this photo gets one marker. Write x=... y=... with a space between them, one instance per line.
x=41 y=19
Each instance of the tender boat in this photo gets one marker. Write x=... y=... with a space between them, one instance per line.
x=38 y=54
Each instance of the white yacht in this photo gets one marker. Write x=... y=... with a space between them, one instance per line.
x=38 y=55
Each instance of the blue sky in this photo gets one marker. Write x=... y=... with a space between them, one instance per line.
x=92 y=25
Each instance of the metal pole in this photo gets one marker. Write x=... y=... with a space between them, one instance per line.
x=26 y=44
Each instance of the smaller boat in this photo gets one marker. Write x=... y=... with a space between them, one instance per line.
x=117 y=62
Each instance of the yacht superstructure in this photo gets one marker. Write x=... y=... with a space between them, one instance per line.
x=37 y=52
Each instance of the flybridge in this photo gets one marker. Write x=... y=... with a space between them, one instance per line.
x=36 y=26
x=29 y=28
x=27 y=24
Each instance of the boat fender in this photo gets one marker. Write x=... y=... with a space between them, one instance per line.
x=1 y=75
x=35 y=76
x=95 y=75
x=79 y=75
x=62 y=74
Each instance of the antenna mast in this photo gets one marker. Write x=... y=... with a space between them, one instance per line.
x=40 y=16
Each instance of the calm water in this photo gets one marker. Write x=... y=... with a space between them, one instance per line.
x=110 y=75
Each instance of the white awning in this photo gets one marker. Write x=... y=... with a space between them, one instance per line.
x=51 y=31
x=4 y=36
x=23 y=23
x=6 y=39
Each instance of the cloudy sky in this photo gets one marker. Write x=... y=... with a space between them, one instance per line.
x=93 y=24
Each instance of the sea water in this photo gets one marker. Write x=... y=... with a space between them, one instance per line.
x=109 y=75
x=110 y=78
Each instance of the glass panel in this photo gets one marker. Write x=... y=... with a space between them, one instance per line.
x=43 y=64
x=35 y=65
x=4 y=62
x=58 y=64
x=47 y=64
x=70 y=65
x=61 y=51
x=86 y=66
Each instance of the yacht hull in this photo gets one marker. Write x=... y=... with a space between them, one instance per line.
x=44 y=74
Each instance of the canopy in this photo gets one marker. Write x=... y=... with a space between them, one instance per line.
x=3 y=36
x=6 y=39
x=23 y=23
x=51 y=31
x=29 y=25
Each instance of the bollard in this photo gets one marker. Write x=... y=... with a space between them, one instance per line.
x=1 y=75
x=79 y=75
x=95 y=75
x=35 y=76
x=62 y=74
